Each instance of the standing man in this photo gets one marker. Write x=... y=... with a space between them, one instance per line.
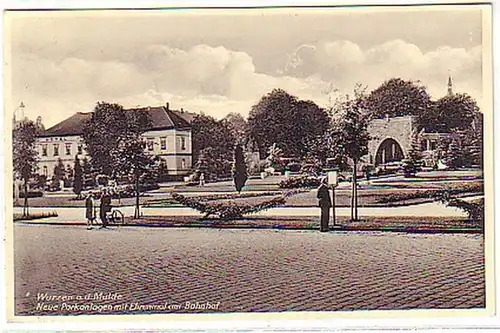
x=104 y=207
x=325 y=203
x=90 y=210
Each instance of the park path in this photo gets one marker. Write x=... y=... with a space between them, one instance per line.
x=73 y=214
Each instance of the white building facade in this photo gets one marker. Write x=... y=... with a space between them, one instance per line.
x=168 y=138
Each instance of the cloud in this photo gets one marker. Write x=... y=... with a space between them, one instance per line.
x=345 y=63
x=218 y=80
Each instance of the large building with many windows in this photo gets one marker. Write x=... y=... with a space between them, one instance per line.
x=169 y=138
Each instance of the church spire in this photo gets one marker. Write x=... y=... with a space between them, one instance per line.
x=450 y=86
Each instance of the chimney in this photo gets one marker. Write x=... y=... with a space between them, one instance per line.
x=182 y=109
x=167 y=106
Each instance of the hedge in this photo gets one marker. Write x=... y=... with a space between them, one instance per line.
x=229 y=210
x=32 y=194
x=300 y=182
x=433 y=194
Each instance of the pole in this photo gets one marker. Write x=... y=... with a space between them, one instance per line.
x=333 y=205
x=136 y=215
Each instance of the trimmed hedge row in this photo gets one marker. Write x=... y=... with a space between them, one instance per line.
x=31 y=194
x=432 y=194
x=229 y=210
x=300 y=182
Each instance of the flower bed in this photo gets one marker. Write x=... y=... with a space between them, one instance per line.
x=229 y=210
x=212 y=197
x=31 y=194
x=300 y=182
x=33 y=216
x=461 y=188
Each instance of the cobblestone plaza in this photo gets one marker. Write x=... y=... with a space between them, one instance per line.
x=70 y=270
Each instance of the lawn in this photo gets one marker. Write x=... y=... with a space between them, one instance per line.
x=403 y=224
x=383 y=192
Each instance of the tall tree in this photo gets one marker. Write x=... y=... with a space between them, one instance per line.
x=397 y=97
x=115 y=145
x=452 y=112
x=238 y=127
x=59 y=172
x=103 y=134
x=135 y=162
x=25 y=156
x=68 y=176
x=352 y=122
x=240 y=174
x=88 y=178
x=281 y=117
x=212 y=141
x=78 y=178
x=413 y=163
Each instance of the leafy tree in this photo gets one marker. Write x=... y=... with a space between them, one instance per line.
x=240 y=174
x=103 y=134
x=212 y=143
x=78 y=178
x=213 y=164
x=281 y=117
x=351 y=121
x=59 y=172
x=327 y=147
x=88 y=177
x=162 y=170
x=68 y=176
x=397 y=97
x=115 y=145
x=238 y=127
x=413 y=163
x=453 y=155
x=25 y=156
x=452 y=112
x=472 y=143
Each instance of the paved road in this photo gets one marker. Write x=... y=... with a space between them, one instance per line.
x=159 y=270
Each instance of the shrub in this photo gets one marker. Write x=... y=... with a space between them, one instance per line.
x=229 y=210
x=34 y=216
x=434 y=194
x=300 y=182
x=473 y=208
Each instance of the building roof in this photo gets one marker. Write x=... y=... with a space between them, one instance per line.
x=161 y=118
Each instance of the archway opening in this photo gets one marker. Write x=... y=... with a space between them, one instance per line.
x=389 y=151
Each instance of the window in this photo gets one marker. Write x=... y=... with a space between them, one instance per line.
x=183 y=164
x=45 y=171
x=68 y=149
x=44 y=150
x=56 y=149
x=163 y=143
x=433 y=145
x=150 y=144
x=183 y=143
x=80 y=149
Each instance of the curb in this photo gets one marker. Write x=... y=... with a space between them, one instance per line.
x=277 y=227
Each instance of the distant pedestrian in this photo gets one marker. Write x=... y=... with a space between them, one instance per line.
x=202 y=179
x=325 y=203
x=90 y=210
x=104 y=208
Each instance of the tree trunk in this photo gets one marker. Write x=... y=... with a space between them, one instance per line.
x=352 y=194
x=355 y=190
x=137 y=214
x=25 y=207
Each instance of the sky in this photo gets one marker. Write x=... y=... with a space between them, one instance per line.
x=221 y=61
